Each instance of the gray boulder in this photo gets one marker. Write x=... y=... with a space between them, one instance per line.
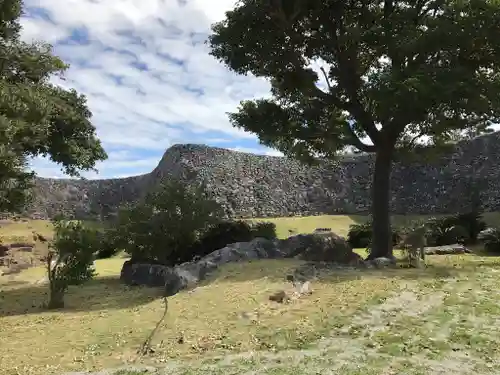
x=186 y=275
x=383 y=262
x=143 y=274
x=317 y=247
x=447 y=249
x=258 y=248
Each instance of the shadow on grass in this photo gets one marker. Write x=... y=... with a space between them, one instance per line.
x=103 y=293
x=439 y=267
x=108 y=293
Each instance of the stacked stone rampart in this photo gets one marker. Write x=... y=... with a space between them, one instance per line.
x=263 y=186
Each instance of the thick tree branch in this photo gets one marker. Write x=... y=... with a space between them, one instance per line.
x=356 y=142
x=349 y=80
x=388 y=8
x=353 y=137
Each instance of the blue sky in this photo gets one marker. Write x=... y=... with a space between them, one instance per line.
x=148 y=77
x=146 y=72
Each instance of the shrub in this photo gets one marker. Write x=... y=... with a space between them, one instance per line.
x=70 y=259
x=108 y=245
x=473 y=224
x=225 y=233
x=490 y=238
x=167 y=224
x=360 y=235
x=461 y=228
x=264 y=229
x=218 y=236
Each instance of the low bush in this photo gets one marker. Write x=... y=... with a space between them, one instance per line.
x=490 y=238
x=473 y=224
x=444 y=231
x=70 y=259
x=360 y=235
x=218 y=236
x=264 y=229
x=225 y=233
x=461 y=228
x=108 y=244
x=164 y=228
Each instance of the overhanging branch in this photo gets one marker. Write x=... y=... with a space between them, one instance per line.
x=353 y=137
x=356 y=142
x=349 y=80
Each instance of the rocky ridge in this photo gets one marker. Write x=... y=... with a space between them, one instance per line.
x=250 y=185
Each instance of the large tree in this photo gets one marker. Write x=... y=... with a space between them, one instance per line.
x=394 y=73
x=37 y=117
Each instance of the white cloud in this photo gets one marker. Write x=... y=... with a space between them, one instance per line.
x=146 y=71
x=257 y=151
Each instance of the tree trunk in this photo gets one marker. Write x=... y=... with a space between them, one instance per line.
x=56 y=298
x=382 y=234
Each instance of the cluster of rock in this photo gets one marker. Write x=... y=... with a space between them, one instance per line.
x=312 y=247
x=321 y=250
x=250 y=185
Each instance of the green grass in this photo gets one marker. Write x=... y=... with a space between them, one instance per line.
x=400 y=321
x=340 y=223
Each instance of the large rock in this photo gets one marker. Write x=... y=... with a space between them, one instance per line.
x=3 y=250
x=258 y=248
x=325 y=247
x=447 y=249
x=185 y=275
x=317 y=247
x=143 y=274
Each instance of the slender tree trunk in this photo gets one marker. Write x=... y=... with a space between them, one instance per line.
x=382 y=233
x=56 y=298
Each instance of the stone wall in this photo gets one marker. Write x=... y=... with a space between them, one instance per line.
x=263 y=186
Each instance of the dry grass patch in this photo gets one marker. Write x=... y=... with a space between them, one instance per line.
x=14 y=230
x=105 y=322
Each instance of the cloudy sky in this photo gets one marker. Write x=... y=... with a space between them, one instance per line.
x=147 y=74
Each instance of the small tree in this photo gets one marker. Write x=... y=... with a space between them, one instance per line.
x=167 y=223
x=394 y=73
x=70 y=258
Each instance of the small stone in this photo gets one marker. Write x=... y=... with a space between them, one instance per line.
x=280 y=297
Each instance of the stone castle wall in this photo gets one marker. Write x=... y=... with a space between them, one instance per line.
x=261 y=186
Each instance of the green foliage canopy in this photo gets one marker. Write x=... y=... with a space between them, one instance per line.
x=395 y=70
x=167 y=223
x=37 y=117
x=395 y=74
x=71 y=258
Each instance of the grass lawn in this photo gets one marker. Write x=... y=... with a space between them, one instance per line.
x=439 y=320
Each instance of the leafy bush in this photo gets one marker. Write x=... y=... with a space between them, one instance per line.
x=472 y=222
x=70 y=259
x=108 y=245
x=490 y=238
x=218 y=236
x=460 y=228
x=224 y=233
x=264 y=229
x=360 y=235
x=167 y=224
